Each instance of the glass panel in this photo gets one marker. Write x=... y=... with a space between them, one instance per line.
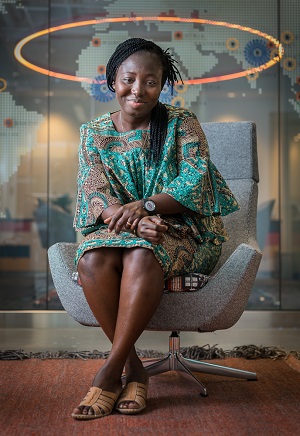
x=40 y=118
x=290 y=159
x=24 y=150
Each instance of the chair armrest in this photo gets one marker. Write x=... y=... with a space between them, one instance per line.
x=216 y=306
x=61 y=260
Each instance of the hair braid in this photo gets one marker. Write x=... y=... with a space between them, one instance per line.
x=158 y=130
x=159 y=115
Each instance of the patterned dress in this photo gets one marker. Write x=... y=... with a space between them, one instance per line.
x=114 y=169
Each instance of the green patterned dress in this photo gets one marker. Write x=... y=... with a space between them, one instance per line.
x=114 y=169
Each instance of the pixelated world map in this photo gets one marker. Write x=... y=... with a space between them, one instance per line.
x=198 y=49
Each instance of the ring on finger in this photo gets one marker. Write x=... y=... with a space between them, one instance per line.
x=128 y=224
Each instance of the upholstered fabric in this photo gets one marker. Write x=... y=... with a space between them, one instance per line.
x=233 y=149
x=221 y=302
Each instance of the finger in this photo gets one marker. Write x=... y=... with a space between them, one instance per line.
x=108 y=219
x=120 y=224
x=158 y=220
x=161 y=228
x=135 y=224
x=148 y=233
x=114 y=220
x=128 y=225
x=149 y=225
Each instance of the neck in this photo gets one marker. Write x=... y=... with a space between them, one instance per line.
x=134 y=123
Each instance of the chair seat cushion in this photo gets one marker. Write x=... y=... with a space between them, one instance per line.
x=185 y=283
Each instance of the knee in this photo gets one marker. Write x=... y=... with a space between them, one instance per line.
x=142 y=270
x=141 y=259
x=99 y=259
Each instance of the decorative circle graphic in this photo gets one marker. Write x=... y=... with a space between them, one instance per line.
x=181 y=88
x=256 y=52
x=8 y=122
x=287 y=37
x=3 y=84
x=289 y=64
x=269 y=63
x=232 y=44
x=101 y=69
x=178 y=101
x=100 y=91
x=270 y=45
x=178 y=35
x=96 y=42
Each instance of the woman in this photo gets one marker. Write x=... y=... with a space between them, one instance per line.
x=149 y=205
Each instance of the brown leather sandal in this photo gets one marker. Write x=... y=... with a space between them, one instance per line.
x=101 y=402
x=136 y=392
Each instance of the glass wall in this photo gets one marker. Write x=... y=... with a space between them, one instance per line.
x=53 y=57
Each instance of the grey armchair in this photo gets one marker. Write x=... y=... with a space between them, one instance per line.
x=220 y=303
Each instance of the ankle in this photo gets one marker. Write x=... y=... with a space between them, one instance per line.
x=107 y=377
x=136 y=373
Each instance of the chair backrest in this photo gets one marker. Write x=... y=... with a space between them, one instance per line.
x=233 y=150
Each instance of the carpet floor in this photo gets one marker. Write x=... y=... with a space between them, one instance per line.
x=37 y=397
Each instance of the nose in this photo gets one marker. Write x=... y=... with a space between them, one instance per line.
x=137 y=89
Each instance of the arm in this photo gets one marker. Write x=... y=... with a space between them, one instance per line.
x=94 y=193
x=116 y=217
x=199 y=186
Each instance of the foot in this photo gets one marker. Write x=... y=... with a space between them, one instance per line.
x=107 y=382
x=135 y=372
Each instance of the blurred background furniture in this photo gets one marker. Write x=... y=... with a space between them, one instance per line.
x=54 y=223
x=264 y=212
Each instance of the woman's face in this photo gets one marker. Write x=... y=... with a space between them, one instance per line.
x=138 y=84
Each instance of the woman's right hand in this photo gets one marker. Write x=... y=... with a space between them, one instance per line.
x=124 y=217
x=152 y=228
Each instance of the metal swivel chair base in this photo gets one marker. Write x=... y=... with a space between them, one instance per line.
x=175 y=361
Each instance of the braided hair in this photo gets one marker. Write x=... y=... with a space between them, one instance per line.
x=159 y=115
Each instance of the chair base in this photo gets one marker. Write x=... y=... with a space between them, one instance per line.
x=174 y=361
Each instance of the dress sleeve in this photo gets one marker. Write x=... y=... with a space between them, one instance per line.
x=199 y=186
x=94 y=192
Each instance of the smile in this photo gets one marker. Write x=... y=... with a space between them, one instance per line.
x=135 y=101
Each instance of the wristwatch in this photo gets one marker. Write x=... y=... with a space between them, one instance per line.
x=149 y=206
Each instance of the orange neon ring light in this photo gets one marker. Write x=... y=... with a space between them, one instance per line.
x=270 y=63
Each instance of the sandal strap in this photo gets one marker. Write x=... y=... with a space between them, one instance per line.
x=134 y=391
x=100 y=401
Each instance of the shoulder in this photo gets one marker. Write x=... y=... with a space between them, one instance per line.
x=181 y=113
x=99 y=124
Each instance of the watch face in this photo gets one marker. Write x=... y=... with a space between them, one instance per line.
x=149 y=205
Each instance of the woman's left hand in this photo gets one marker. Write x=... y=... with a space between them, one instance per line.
x=126 y=217
x=152 y=228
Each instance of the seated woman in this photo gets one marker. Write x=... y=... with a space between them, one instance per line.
x=149 y=206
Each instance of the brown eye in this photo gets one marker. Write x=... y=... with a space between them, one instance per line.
x=127 y=80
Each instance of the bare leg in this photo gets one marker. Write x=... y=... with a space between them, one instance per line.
x=141 y=290
x=100 y=272
x=120 y=285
